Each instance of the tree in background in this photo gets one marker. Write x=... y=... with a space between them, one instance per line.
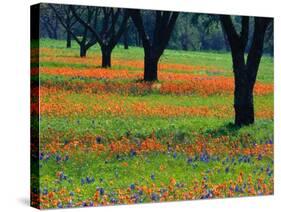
x=269 y=41
x=108 y=34
x=67 y=20
x=126 y=36
x=245 y=70
x=155 y=45
x=90 y=14
x=49 y=22
x=184 y=35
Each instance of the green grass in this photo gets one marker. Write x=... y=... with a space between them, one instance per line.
x=220 y=60
x=139 y=171
x=107 y=168
x=117 y=127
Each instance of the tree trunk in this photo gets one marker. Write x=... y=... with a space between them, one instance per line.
x=68 y=39
x=150 y=66
x=83 y=51
x=245 y=73
x=243 y=91
x=106 y=57
x=243 y=102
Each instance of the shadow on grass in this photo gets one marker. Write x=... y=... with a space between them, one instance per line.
x=223 y=130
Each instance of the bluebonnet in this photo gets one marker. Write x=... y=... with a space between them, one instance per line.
x=60 y=205
x=101 y=191
x=45 y=191
x=227 y=169
x=58 y=158
x=133 y=152
x=132 y=186
x=154 y=197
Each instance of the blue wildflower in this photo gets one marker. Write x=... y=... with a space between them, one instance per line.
x=101 y=191
x=133 y=153
x=227 y=169
x=237 y=188
x=60 y=205
x=132 y=186
x=154 y=197
x=189 y=160
x=45 y=191
x=113 y=200
x=58 y=158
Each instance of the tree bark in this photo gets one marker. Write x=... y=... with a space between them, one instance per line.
x=150 y=66
x=243 y=96
x=155 y=46
x=68 y=39
x=106 y=56
x=83 y=51
x=245 y=73
x=108 y=37
x=244 y=104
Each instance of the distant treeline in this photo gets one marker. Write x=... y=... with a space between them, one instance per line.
x=192 y=31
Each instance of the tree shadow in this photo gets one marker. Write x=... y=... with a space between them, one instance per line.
x=226 y=129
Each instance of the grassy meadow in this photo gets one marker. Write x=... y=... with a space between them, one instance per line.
x=107 y=137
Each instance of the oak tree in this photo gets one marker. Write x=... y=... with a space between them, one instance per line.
x=245 y=69
x=154 y=46
x=86 y=38
x=113 y=23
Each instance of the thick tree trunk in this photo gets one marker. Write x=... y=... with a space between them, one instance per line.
x=243 y=102
x=68 y=39
x=106 y=57
x=83 y=51
x=243 y=91
x=150 y=66
x=245 y=73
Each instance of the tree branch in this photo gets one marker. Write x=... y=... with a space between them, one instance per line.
x=64 y=25
x=121 y=29
x=137 y=19
x=244 y=32
x=99 y=40
x=231 y=33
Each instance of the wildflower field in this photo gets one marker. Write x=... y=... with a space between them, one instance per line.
x=107 y=137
